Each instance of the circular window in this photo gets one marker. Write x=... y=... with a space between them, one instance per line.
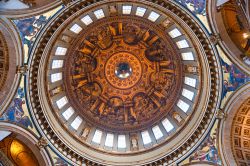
x=123 y=70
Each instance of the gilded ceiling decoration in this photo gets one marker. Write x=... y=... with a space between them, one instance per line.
x=123 y=74
x=123 y=79
x=4 y=60
x=240 y=134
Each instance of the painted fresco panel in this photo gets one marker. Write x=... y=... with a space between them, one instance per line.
x=18 y=112
x=30 y=27
x=207 y=152
x=198 y=8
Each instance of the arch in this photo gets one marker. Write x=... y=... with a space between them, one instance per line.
x=41 y=6
x=29 y=140
x=225 y=126
x=15 y=59
x=221 y=35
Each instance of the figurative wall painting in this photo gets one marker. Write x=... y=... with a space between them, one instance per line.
x=198 y=8
x=233 y=77
x=207 y=152
x=59 y=162
x=29 y=28
x=56 y=159
x=17 y=111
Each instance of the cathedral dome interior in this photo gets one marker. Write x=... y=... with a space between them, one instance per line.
x=124 y=82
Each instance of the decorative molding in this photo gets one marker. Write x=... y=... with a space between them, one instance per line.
x=67 y=2
x=215 y=38
x=42 y=143
x=220 y=114
x=4 y=60
x=22 y=69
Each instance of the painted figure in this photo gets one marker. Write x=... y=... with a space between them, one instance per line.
x=207 y=151
x=235 y=78
x=15 y=112
x=60 y=162
x=29 y=27
x=198 y=5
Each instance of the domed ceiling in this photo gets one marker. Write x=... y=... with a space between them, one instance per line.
x=123 y=73
x=240 y=134
x=124 y=78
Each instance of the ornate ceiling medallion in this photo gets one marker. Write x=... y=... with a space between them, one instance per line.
x=128 y=80
x=123 y=70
